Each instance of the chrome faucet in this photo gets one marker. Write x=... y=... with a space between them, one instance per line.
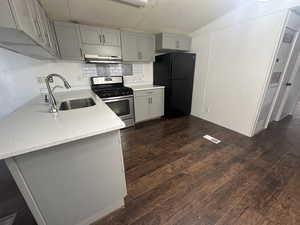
x=52 y=100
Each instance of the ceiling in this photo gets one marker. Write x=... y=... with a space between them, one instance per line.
x=180 y=16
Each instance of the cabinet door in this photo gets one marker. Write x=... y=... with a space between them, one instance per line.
x=53 y=39
x=46 y=29
x=141 y=106
x=111 y=37
x=184 y=43
x=68 y=40
x=129 y=46
x=146 y=46
x=169 y=41
x=38 y=21
x=90 y=35
x=25 y=19
x=156 y=106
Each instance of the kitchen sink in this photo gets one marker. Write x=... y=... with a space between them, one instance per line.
x=77 y=104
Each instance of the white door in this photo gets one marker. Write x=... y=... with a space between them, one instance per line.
x=276 y=78
x=285 y=101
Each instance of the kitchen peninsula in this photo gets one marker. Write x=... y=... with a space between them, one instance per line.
x=67 y=165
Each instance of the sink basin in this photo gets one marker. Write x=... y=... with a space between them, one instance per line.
x=77 y=104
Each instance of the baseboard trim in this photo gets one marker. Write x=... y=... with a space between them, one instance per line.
x=104 y=212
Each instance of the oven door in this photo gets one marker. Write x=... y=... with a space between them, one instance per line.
x=122 y=106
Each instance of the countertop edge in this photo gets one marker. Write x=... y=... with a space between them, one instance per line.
x=144 y=88
x=53 y=144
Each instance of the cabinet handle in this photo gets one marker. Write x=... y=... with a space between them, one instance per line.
x=57 y=49
x=149 y=101
x=38 y=28
x=81 y=53
x=104 y=40
x=177 y=44
x=100 y=37
x=140 y=55
x=49 y=40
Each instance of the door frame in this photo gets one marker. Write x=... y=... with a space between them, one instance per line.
x=284 y=74
x=287 y=91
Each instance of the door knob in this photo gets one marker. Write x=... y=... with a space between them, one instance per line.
x=288 y=84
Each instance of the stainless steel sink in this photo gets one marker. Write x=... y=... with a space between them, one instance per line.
x=77 y=104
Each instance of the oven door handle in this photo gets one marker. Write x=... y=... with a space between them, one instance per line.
x=117 y=100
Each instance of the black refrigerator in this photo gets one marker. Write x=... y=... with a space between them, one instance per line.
x=176 y=71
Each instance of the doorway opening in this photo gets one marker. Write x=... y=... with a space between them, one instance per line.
x=283 y=92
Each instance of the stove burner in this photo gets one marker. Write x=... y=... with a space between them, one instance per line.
x=110 y=87
x=112 y=92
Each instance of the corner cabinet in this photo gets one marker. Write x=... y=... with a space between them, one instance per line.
x=148 y=104
x=138 y=47
x=167 y=42
x=68 y=40
x=25 y=28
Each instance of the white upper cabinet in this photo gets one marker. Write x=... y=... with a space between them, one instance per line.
x=146 y=47
x=68 y=40
x=92 y=35
x=138 y=47
x=22 y=11
x=129 y=46
x=111 y=37
x=166 y=42
x=24 y=28
x=100 y=41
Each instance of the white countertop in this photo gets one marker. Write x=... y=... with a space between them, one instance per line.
x=32 y=127
x=145 y=87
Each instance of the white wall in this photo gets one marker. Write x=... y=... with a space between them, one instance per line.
x=18 y=77
x=234 y=58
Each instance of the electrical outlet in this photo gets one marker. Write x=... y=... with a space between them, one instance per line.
x=42 y=79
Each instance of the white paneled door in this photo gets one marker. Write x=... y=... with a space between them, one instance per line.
x=278 y=73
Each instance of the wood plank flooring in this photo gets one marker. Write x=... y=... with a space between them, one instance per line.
x=175 y=177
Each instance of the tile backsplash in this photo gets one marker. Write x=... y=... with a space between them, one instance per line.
x=108 y=69
x=20 y=77
x=134 y=74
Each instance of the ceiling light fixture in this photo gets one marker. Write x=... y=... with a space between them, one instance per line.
x=136 y=3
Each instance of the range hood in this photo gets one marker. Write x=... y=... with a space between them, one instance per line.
x=136 y=3
x=102 y=59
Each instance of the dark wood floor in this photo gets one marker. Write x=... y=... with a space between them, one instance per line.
x=175 y=177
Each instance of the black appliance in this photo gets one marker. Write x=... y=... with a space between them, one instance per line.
x=119 y=98
x=176 y=71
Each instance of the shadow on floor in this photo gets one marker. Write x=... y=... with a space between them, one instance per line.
x=11 y=200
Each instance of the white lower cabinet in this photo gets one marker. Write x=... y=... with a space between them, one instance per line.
x=148 y=104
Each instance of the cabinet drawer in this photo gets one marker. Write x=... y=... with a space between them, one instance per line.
x=159 y=91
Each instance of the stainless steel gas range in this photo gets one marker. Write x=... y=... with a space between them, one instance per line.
x=119 y=98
